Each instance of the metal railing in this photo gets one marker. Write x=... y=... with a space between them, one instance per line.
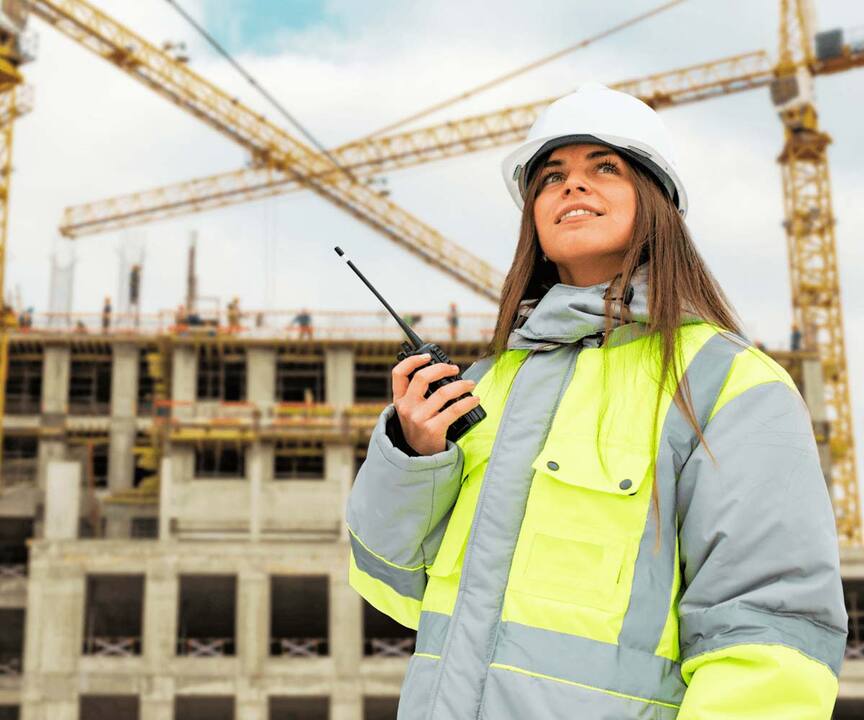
x=108 y=646
x=205 y=647
x=323 y=324
x=270 y=415
x=10 y=666
x=19 y=471
x=11 y=571
x=389 y=647
x=299 y=647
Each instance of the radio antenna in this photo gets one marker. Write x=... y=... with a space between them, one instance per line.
x=412 y=336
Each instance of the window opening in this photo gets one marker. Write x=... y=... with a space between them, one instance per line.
x=24 y=387
x=90 y=386
x=299 y=611
x=383 y=636
x=220 y=460
x=114 y=614
x=298 y=460
x=206 y=615
x=221 y=375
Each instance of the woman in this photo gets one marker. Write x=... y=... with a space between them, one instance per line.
x=640 y=527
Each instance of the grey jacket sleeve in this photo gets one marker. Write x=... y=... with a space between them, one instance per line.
x=398 y=501
x=399 y=505
x=758 y=544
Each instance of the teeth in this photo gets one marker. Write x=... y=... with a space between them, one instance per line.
x=577 y=212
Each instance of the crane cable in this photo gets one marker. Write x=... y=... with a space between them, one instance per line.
x=524 y=69
x=214 y=43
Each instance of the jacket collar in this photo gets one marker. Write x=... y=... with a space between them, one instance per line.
x=567 y=314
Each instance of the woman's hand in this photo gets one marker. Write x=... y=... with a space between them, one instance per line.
x=424 y=424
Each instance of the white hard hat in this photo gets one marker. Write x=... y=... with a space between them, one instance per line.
x=597 y=114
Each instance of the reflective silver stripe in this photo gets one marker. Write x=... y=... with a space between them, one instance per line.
x=470 y=641
x=601 y=665
x=654 y=572
x=720 y=627
x=410 y=583
x=513 y=695
x=431 y=633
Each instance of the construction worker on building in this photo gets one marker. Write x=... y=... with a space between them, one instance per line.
x=640 y=527
x=234 y=315
x=453 y=321
x=106 y=314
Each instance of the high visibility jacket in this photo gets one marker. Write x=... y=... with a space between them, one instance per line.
x=541 y=580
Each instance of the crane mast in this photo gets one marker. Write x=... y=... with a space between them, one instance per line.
x=809 y=223
x=12 y=55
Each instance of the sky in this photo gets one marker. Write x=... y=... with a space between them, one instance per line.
x=347 y=67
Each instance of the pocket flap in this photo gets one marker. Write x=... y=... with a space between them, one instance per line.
x=578 y=463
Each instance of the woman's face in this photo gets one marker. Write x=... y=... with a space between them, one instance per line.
x=589 y=247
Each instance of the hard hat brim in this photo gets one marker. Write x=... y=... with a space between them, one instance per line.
x=521 y=163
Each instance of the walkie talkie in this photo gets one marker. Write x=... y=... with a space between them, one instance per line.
x=416 y=346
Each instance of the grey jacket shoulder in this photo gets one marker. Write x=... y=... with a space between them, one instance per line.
x=758 y=541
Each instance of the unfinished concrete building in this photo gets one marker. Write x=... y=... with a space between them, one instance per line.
x=172 y=536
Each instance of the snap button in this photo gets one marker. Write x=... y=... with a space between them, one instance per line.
x=625 y=484
x=552 y=465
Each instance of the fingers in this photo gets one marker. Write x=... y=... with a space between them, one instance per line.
x=447 y=417
x=437 y=400
x=402 y=370
x=423 y=378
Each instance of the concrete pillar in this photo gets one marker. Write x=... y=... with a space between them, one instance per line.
x=55 y=634
x=253 y=622
x=339 y=469
x=184 y=378
x=51 y=448
x=161 y=588
x=124 y=380
x=157 y=708
x=261 y=376
x=346 y=702
x=339 y=459
x=55 y=405
x=62 y=500
x=255 y=473
x=339 y=376
x=121 y=460
x=55 y=380
x=166 y=509
x=346 y=625
x=124 y=408
x=251 y=706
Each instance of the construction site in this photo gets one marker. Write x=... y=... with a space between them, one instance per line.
x=173 y=485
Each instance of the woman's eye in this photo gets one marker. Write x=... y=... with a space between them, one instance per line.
x=608 y=166
x=547 y=178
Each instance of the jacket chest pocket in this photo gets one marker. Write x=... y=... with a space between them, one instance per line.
x=583 y=524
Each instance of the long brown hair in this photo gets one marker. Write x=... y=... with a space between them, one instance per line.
x=678 y=282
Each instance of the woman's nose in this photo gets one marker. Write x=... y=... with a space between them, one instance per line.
x=575 y=183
